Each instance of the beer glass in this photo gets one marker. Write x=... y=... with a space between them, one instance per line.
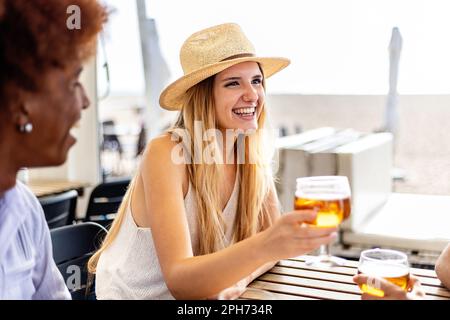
x=383 y=263
x=329 y=196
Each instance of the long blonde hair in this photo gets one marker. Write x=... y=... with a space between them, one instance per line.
x=255 y=179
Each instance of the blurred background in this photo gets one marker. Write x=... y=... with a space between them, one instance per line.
x=339 y=74
x=368 y=66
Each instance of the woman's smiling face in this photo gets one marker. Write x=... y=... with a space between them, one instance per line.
x=239 y=96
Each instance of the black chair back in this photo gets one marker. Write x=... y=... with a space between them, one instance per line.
x=72 y=247
x=59 y=209
x=105 y=200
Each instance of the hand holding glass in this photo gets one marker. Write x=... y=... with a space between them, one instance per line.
x=383 y=263
x=329 y=196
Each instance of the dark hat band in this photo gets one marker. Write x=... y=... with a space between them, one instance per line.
x=237 y=56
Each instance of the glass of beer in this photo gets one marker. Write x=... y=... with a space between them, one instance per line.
x=329 y=196
x=383 y=263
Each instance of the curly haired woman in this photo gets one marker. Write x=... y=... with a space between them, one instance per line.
x=41 y=99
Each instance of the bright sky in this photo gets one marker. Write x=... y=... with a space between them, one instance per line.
x=336 y=47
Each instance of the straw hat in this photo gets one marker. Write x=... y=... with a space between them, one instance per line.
x=210 y=51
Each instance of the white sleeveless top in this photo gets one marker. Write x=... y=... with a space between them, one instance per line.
x=129 y=268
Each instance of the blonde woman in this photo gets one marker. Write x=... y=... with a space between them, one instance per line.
x=202 y=219
x=41 y=99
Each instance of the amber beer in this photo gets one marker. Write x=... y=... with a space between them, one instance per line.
x=398 y=275
x=378 y=263
x=330 y=212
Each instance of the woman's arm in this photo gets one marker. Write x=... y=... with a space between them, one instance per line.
x=443 y=267
x=273 y=207
x=234 y=292
x=189 y=277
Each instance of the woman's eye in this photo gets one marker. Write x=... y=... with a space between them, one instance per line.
x=256 y=81
x=232 y=84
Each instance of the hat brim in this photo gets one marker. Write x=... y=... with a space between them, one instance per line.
x=172 y=97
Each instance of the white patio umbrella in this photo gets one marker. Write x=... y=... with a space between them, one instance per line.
x=391 y=112
x=156 y=72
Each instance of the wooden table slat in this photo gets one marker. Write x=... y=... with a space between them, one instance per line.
x=258 y=294
x=341 y=280
x=304 y=272
x=293 y=279
x=352 y=270
x=312 y=283
x=354 y=264
x=302 y=265
x=434 y=291
x=312 y=274
x=42 y=188
x=303 y=292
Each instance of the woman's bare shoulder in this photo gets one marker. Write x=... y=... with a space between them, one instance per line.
x=160 y=158
x=161 y=148
x=160 y=145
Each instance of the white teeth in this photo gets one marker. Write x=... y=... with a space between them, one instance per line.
x=249 y=110
x=73 y=132
x=75 y=128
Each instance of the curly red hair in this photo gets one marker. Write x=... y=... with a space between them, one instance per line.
x=34 y=37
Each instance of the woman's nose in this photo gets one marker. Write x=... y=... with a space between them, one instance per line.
x=250 y=94
x=84 y=99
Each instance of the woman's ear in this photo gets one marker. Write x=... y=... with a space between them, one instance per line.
x=20 y=115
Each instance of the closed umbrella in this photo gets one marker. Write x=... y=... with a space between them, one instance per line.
x=156 y=73
x=391 y=112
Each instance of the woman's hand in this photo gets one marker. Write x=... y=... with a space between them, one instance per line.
x=391 y=291
x=291 y=236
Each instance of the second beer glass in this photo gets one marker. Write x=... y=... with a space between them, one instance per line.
x=391 y=265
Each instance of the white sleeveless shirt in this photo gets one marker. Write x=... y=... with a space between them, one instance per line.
x=129 y=267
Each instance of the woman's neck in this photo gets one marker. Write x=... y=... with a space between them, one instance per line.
x=7 y=178
x=8 y=165
x=228 y=149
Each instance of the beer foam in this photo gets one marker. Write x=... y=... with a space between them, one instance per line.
x=383 y=270
x=322 y=196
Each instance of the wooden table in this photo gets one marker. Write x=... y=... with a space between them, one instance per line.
x=48 y=187
x=292 y=279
